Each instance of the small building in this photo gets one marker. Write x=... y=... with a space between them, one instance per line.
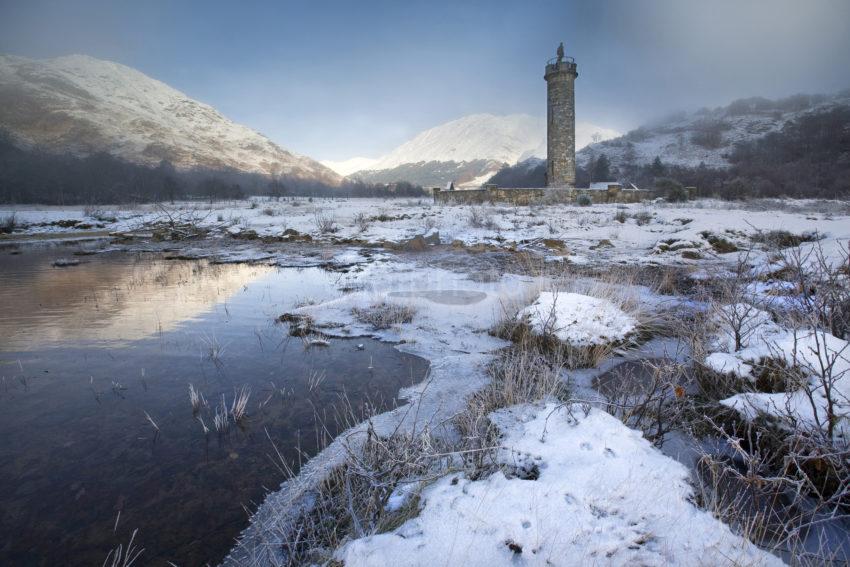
x=606 y=186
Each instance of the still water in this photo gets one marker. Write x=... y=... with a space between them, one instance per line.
x=88 y=352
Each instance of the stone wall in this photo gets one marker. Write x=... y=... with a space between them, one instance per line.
x=520 y=196
x=615 y=195
x=528 y=196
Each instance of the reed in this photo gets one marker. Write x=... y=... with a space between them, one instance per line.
x=196 y=399
x=204 y=425
x=221 y=420
x=240 y=403
x=213 y=349
x=314 y=380
x=123 y=556
x=152 y=422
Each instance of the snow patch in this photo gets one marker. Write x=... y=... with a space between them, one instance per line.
x=604 y=495
x=577 y=319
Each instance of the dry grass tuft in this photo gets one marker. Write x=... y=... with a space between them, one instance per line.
x=384 y=314
x=8 y=224
x=375 y=489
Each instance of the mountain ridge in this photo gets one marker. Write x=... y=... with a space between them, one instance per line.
x=81 y=105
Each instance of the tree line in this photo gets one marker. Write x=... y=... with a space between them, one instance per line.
x=37 y=176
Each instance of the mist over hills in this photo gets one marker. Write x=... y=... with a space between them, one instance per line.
x=708 y=136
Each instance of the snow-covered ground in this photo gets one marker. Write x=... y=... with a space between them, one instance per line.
x=603 y=496
x=648 y=234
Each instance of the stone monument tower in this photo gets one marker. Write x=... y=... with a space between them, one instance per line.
x=561 y=121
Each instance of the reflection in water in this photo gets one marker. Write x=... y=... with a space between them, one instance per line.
x=108 y=297
x=81 y=466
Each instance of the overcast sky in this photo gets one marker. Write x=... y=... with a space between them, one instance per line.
x=338 y=79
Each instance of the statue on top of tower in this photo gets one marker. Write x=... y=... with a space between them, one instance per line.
x=561 y=52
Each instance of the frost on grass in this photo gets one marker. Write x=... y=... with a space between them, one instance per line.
x=579 y=320
x=384 y=314
x=601 y=494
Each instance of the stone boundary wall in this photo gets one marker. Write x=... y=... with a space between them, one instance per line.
x=519 y=196
x=528 y=196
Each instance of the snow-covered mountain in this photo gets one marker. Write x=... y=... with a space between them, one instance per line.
x=506 y=139
x=81 y=105
x=471 y=149
x=350 y=165
x=708 y=135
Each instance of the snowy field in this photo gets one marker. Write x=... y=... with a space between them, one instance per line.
x=438 y=280
x=635 y=233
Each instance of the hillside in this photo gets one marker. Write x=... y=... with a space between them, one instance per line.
x=709 y=136
x=82 y=106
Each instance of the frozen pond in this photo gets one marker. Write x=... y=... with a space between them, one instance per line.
x=444 y=296
x=89 y=351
